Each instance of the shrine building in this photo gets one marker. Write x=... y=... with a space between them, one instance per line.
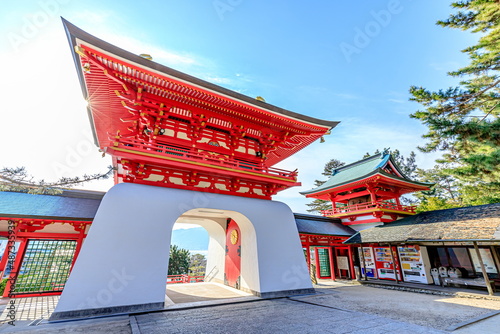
x=184 y=150
x=363 y=194
x=367 y=193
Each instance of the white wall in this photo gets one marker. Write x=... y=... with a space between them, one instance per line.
x=124 y=260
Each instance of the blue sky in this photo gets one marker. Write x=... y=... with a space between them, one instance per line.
x=351 y=62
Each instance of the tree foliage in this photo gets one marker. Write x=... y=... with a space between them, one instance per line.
x=197 y=265
x=178 y=264
x=464 y=121
x=317 y=205
x=18 y=179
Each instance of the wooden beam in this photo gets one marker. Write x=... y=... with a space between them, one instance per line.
x=351 y=195
x=495 y=257
x=483 y=269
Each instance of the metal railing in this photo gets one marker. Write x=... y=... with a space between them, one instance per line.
x=369 y=205
x=216 y=159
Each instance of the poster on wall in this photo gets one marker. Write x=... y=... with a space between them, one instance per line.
x=412 y=264
x=368 y=261
x=486 y=256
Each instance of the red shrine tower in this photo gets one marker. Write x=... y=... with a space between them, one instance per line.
x=367 y=193
x=168 y=129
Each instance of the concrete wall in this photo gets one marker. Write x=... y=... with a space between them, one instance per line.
x=123 y=264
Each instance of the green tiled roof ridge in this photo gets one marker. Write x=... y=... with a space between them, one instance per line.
x=356 y=163
x=361 y=169
x=353 y=171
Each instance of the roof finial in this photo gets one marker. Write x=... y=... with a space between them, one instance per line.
x=386 y=151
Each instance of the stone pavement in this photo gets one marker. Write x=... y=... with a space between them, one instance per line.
x=202 y=291
x=272 y=316
x=336 y=308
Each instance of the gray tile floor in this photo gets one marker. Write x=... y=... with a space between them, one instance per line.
x=30 y=309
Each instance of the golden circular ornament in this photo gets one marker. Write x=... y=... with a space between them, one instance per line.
x=234 y=237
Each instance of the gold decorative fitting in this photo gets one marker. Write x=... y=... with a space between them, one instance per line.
x=80 y=50
x=146 y=56
x=234 y=237
x=86 y=67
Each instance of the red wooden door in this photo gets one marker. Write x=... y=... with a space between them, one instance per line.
x=232 y=269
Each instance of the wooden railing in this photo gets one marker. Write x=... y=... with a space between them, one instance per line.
x=369 y=205
x=175 y=279
x=216 y=159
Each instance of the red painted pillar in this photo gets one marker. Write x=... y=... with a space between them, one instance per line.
x=308 y=255
x=79 y=243
x=12 y=236
x=316 y=262
x=351 y=262
x=5 y=259
x=332 y=267
x=17 y=266
x=371 y=190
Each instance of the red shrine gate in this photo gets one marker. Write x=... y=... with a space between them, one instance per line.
x=171 y=135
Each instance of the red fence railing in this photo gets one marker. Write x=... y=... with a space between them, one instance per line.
x=174 y=279
x=369 y=205
x=187 y=154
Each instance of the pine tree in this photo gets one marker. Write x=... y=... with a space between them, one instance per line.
x=178 y=264
x=318 y=205
x=464 y=121
x=197 y=265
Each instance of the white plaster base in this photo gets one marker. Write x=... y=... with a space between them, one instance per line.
x=122 y=266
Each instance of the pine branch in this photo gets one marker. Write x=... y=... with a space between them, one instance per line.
x=17 y=179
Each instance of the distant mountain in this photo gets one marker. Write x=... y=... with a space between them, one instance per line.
x=193 y=239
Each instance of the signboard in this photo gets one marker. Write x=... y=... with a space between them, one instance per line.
x=489 y=263
x=343 y=262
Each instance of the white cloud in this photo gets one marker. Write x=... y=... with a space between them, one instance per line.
x=396 y=101
x=218 y=80
x=183 y=226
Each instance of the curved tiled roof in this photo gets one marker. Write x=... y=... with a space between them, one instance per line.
x=360 y=170
x=480 y=222
x=77 y=205
x=310 y=224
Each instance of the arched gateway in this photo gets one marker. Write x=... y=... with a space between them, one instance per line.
x=183 y=149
